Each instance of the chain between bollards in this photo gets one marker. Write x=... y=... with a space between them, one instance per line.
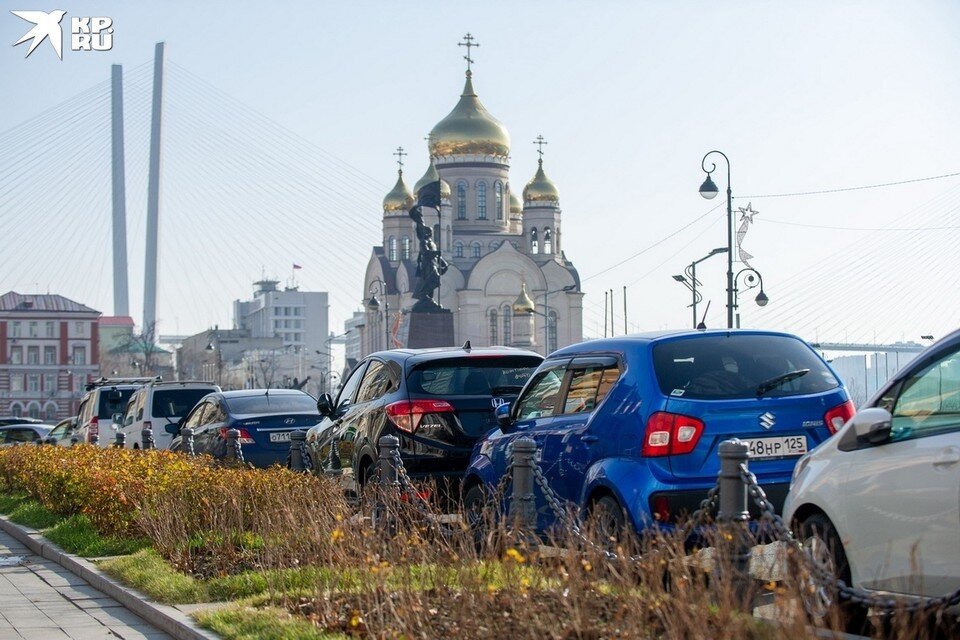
x=186 y=441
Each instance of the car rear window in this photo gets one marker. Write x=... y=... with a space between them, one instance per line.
x=719 y=367
x=472 y=376
x=176 y=403
x=265 y=404
x=109 y=407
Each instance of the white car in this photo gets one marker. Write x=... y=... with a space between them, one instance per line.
x=159 y=406
x=880 y=500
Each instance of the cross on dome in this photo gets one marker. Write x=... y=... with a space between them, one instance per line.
x=540 y=141
x=468 y=43
x=400 y=153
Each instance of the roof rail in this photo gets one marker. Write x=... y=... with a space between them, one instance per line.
x=106 y=382
x=175 y=382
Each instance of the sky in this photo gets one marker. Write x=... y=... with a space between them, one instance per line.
x=630 y=95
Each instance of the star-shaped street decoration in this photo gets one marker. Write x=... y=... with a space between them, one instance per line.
x=747 y=213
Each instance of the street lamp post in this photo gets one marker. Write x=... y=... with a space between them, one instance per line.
x=214 y=345
x=529 y=307
x=752 y=280
x=709 y=191
x=693 y=283
x=379 y=286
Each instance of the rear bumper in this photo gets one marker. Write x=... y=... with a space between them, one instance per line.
x=682 y=503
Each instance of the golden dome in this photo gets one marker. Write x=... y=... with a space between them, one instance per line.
x=541 y=188
x=469 y=129
x=399 y=198
x=432 y=176
x=523 y=304
x=516 y=205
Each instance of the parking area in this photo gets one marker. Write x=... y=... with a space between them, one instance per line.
x=41 y=600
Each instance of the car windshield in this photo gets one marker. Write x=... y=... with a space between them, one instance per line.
x=109 y=406
x=176 y=403
x=265 y=404
x=720 y=367
x=476 y=375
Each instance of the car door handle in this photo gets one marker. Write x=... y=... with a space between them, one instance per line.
x=948 y=457
x=589 y=439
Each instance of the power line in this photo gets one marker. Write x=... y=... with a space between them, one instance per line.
x=837 y=228
x=842 y=189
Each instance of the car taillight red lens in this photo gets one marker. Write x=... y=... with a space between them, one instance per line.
x=407 y=415
x=838 y=416
x=94 y=427
x=670 y=434
x=244 y=435
x=661 y=509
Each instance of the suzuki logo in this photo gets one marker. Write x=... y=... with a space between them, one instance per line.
x=767 y=420
x=497 y=402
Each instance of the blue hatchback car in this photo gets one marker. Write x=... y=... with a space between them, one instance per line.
x=627 y=428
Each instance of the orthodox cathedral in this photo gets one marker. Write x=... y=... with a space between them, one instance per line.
x=508 y=281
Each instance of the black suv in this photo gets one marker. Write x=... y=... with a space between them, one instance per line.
x=438 y=402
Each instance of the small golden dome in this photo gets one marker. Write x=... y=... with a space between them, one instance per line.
x=399 y=198
x=523 y=304
x=432 y=176
x=541 y=188
x=469 y=129
x=516 y=205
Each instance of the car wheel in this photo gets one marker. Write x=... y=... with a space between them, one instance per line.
x=822 y=542
x=608 y=520
x=474 y=504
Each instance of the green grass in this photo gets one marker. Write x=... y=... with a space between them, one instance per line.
x=31 y=513
x=246 y=623
x=146 y=571
x=10 y=502
x=77 y=535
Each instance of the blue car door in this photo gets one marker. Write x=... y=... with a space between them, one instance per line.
x=533 y=417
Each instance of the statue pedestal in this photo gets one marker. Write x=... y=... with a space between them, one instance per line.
x=430 y=329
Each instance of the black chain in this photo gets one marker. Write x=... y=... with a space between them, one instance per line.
x=305 y=458
x=237 y=450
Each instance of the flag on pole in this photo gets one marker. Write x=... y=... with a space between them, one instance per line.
x=296 y=266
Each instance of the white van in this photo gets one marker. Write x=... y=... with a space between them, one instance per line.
x=160 y=406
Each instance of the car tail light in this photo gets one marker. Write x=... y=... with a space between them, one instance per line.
x=838 y=416
x=94 y=427
x=244 y=435
x=407 y=415
x=670 y=434
x=661 y=509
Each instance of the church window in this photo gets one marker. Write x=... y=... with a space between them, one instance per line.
x=494 y=245
x=461 y=200
x=458 y=250
x=475 y=250
x=481 y=200
x=507 y=326
x=498 y=199
x=493 y=327
x=392 y=255
x=547 y=240
x=405 y=248
x=552 y=331
x=534 y=244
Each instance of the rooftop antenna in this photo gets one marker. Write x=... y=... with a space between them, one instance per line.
x=702 y=326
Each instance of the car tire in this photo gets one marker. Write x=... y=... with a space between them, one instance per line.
x=608 y=521
x=474 y=505
x=820 y=538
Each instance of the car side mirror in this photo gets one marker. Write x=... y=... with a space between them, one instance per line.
x=504 y=418
x=172 y=429
x=325 y=405
x=872 y=425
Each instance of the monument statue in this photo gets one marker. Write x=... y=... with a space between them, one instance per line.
x=430 y=264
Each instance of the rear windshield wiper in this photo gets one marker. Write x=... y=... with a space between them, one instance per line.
x=506 y=389
x=783 y=378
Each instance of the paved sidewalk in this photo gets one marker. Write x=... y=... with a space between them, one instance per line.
x=40 y=600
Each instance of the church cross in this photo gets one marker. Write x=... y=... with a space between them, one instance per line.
x=540 y=142
x=400 y=153
x=469 y=43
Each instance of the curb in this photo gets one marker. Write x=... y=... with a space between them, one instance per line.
x=168 y=619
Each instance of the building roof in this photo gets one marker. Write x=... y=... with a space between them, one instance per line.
x=13 y=301
x=116 y=321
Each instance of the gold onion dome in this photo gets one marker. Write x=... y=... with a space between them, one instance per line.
x=541 y=188
x=399 y=198
x=469 y=129
x=431 y=175
x=516 y=205
x=523 y=304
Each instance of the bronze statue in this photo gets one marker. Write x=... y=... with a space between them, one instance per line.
x=430 y=264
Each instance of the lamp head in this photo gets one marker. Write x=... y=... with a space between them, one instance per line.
x=373 y=303
x=708 y=189
x=679 y=278
x=762 y=299
x=210 y=346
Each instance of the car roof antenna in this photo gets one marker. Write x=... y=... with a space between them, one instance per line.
x=703 y=325
x=466 y=346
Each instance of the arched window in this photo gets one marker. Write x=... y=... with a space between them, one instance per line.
x=494 y=245
x=16 y=410
x=458 y=249
x=498 y=198
x=405 y=248
x=481 y=200
x=507 y=325
x=50 y=412
x=534 y=244
x=547 y=240
x=461 y=200
x=392 y=252
x=34 y=410
x=494 y=328
x=552 y=331
x=475 y=250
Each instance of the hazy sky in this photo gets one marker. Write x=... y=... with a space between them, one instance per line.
x=801 y=96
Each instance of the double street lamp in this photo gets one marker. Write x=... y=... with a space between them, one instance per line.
x=692 y=283
x=753 y=279
x=709 y=191
x=379 y=286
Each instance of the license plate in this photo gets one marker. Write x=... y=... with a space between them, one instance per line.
x=782 y=447
x=280 y=436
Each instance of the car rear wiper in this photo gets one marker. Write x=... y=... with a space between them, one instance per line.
x=783 y=378
x=506 y=389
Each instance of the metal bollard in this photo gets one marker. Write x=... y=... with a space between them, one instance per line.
x=50 y=441
x=388 y=481
x=95 y=439
x=121 y=440
x=146 y=439
x=297 y=441
x=38 y=442
x=186 y=441
x=523 y=510
x=734 y=511
x=74 y=440
x=233 y=446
